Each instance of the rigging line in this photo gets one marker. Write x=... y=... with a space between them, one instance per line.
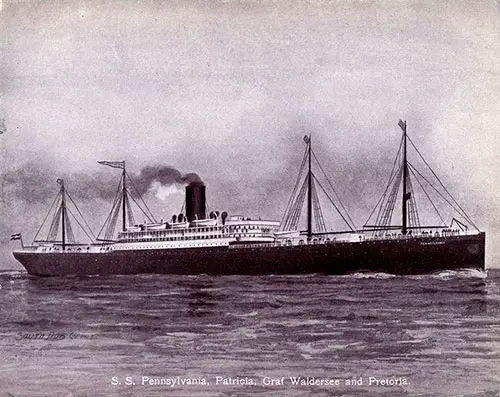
x=48 y=213
x=79 y=212
x=296 y=185
x=69 y=230
x=108 y=218
x=142 y=210
x=54 y=227
x=112 y=226
x=428 y=197
x=78 y=222
x=289 y=216
x=384 y=218
x=299 y=204
x=317 y=209
x=117 y=196
x=387 y=207
x=318 y=214
x=293 y=215
x=106 y=224
x=112 y=223
x=442 y=185
x=397 y=176
x=150 y=216
x=331 y=201
x=116 y=207
x=414 y=217
x=294 y=191
x=391 y=178
x=389 y=198
x=131 y=218
x=458 y=210
x=334 y=191
x=443 y=197
x=140 y=197
x=314 y=208
x=336 y=208
x=438 y=192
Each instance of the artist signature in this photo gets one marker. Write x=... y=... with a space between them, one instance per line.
x=54 y=336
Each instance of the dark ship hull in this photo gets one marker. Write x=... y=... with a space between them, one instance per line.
x=394 y=256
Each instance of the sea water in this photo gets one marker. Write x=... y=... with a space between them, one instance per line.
x=157 y=335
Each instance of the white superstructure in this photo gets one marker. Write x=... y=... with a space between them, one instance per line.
x=202 y=233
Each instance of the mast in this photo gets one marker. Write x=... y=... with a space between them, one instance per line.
x=124 y=198
x=306 y=184
x=405 y=172
x=309 y=193
x=121 y=203
x=63 y=213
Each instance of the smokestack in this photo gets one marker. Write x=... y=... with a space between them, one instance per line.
x=195 y=201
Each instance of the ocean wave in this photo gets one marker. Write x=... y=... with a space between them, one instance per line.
x=380 y=276
x=453 y=274
x=251 y=314
x=441 y=275
x=306 y=275
x=13 y=274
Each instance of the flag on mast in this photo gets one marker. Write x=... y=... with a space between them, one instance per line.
x=402 y=124
x=114 y=164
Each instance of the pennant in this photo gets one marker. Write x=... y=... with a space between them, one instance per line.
x=114 y=164
x=402 y=125
x=306 y=139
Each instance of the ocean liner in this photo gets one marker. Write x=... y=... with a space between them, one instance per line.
x=214 y=243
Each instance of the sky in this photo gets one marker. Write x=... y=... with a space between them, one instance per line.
x=227 y=89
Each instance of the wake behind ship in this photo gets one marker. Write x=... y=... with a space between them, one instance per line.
x=203 y=242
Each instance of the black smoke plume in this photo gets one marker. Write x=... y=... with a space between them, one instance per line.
x=162 y=175
x=36 y=182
